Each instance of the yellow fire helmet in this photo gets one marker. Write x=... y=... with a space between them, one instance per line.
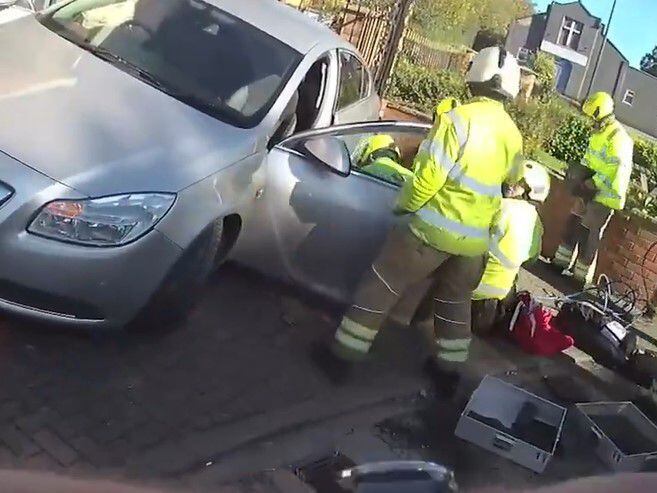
x=372 y=147
x=598 y=105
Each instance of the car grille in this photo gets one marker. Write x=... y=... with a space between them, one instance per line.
x=5 y=193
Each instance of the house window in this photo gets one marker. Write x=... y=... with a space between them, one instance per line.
x=629 y=97
x=570 y=34
x=523 y=56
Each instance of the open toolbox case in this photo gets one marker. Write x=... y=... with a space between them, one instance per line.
x=512 y=423
x=625 y=439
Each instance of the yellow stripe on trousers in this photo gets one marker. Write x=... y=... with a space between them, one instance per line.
x=355 y=336
x=453 y=350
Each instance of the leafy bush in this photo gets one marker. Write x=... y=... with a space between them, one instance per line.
x=645 y=160
x=571 y=139
x=546 y=74
x=421 y=88
x=538 y=121
x=645 y=155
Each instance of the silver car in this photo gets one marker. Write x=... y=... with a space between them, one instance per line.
x=144 y=142
x=10 y=10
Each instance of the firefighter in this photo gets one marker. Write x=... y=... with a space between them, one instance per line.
x=516 y=239
x=379 y=156
x=609 y=160
x=451 y=200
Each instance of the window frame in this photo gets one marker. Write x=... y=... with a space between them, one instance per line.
x=632 y=94
x=366 y=74
x=571 y=32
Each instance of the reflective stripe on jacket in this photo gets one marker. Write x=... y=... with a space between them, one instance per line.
x=455 y=190
x=516 y=238
x=387 y=169
x=609 y=155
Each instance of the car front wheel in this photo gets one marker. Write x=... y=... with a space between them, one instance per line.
x=180 y=290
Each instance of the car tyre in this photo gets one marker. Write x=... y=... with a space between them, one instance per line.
x=178 y=294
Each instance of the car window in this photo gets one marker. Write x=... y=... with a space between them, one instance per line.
x=391 y=162
x=189 y=49
x=26 y=4
x=355 y=81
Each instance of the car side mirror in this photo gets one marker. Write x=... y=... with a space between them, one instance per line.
x=329 y=151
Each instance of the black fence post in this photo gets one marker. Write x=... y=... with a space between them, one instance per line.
x=399 y=16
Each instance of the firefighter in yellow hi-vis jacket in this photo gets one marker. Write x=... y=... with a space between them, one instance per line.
x=452 y=198
x=609 y=161
x=516 y=239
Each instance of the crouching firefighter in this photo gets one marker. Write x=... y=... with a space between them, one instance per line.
x=379 y=156
x=609 y=162
x=452 y=198
x=516 y=239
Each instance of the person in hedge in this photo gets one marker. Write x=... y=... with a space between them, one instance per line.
x=608 y=167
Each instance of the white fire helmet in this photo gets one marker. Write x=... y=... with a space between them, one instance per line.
x=495 y=70
x=537 y=179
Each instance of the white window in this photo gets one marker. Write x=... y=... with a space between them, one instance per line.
x=629 y=97
x=523 y=56
x=570 y=34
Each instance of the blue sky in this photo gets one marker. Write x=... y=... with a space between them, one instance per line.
x=633 y=28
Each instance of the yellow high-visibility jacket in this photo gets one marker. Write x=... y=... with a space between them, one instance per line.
x=456 y=188
x=387 y=169
x=610 y=155
x=517 y=238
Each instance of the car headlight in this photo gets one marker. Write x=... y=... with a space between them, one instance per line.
x=107 y=221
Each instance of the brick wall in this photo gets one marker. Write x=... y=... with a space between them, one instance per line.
x=626 y=253
x=554 y=213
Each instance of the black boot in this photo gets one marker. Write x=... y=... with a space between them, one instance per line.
x=336 y=369
x=446 y=381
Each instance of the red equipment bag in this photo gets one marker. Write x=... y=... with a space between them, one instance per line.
x=532 y=328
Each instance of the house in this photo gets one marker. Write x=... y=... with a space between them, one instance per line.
x=574 y=37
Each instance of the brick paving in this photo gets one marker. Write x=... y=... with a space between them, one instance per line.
x=136 y=404
x=157 y=404
x=101 y=400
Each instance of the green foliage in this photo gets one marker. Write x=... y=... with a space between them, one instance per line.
x=649 y=62
x=571 y=139
x=645 y=173
x=546 y=73
x=538 y=121
x=421 y=88
x=457 y=21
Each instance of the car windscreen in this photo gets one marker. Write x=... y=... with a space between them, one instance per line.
x=189 y=49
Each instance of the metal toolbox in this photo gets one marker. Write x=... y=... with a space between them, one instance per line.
x=512 y=423
x=625 y=439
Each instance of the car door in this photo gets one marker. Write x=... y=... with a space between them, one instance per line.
x=356 y=100
x=320 y=224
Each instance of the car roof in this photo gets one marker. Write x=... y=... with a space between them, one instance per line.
x=283 y=22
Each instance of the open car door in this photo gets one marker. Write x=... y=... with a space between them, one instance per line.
x=322 y=220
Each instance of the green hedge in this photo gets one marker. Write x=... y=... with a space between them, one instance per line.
x=421 y=88
x=538 y=121
x=570 y=140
